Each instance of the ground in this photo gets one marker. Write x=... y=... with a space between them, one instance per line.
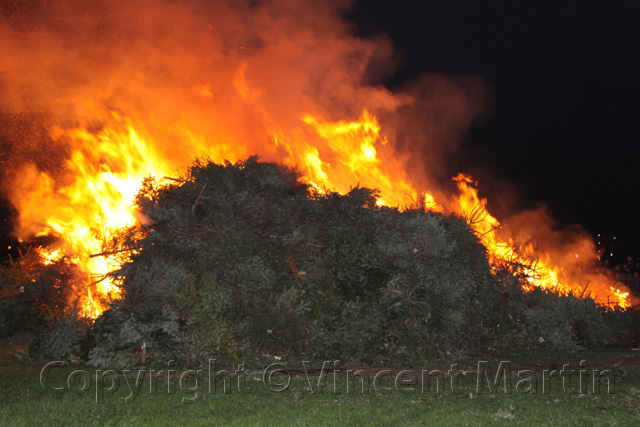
x=37 y=393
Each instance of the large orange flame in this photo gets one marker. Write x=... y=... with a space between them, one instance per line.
x=108 y=166
x=129 y=90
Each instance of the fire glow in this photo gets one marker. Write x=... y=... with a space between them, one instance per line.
x=224 y=84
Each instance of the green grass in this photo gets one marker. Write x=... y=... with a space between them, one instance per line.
x=23 y=401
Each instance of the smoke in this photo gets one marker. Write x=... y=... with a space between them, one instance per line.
x=570 y=247
x=433 y=125
x=227 y=72
x=566 y=246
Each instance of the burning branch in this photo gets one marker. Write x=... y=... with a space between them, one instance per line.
x=109 y=253
x=174 y=179
x=477 y=215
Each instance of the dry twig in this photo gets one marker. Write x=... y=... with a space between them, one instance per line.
x=193 y=208
x=294 y=270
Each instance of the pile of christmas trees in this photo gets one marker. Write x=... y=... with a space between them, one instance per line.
x=245 y=262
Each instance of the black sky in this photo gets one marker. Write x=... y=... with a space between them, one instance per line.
x=563 y=128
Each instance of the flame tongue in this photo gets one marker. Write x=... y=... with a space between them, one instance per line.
x=104 y=173
x=536 y=266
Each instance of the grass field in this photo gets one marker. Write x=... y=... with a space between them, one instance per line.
x=534 y=394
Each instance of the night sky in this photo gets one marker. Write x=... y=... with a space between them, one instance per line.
x=563 y=128
x=563 y=124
